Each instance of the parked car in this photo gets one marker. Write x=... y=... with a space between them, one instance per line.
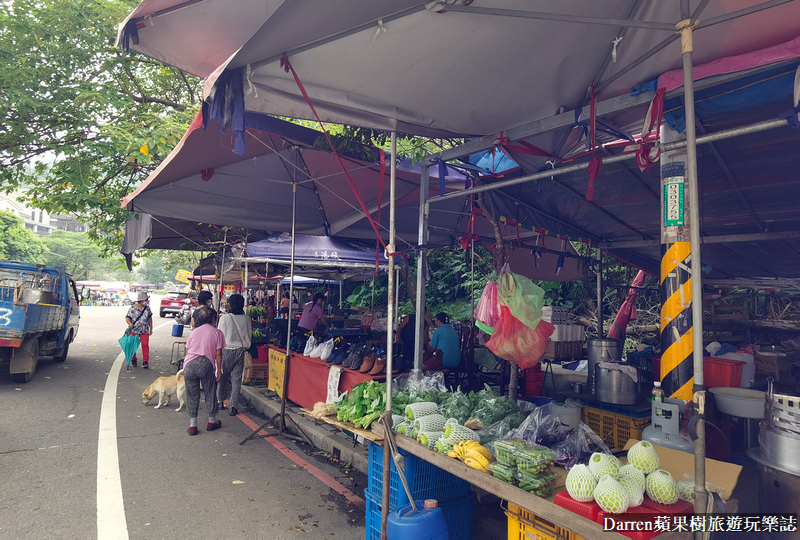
x=173 y=302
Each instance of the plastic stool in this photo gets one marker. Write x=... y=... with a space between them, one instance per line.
x=180 y=347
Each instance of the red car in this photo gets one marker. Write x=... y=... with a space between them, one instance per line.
x=174 y=301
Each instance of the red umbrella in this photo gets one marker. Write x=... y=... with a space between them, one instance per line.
x=627 y=310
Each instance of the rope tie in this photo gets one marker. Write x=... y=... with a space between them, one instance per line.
x=614 y=47
x=381 y=29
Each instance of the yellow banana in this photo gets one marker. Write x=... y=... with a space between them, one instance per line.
x=477 y=456
x=453 y=454
x=475 y=465
x=483 y=451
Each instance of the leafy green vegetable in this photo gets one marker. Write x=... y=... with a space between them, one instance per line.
x=362 y=404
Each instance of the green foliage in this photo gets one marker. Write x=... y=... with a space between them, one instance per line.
x=82 y=258
x=16 y=242
x=159 y=266
x=83 y=122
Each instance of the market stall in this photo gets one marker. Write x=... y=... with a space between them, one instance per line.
x=623 y=217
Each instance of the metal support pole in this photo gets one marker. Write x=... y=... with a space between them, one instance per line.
x=685 y=27
x=246 y=284
x=387 y=452
x=600 y=328
x=222 y=271
x=422 y=239
x=289 y=315
x=341 y=281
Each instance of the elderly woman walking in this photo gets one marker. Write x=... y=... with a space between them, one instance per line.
x=203 y=363
x=236 y=328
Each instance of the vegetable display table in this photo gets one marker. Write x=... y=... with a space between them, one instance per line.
x=308 y=379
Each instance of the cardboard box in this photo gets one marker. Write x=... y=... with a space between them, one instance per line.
x=722 y=476
x=563 y=349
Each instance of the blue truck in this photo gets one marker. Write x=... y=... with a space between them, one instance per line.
x=39 y=316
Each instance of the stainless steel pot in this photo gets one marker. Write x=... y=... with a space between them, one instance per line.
x=602 y=350
x=615 y=386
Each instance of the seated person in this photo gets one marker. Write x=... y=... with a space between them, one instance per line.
x=406 y=337
x=445 y=338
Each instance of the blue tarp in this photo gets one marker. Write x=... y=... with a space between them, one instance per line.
x=308 y=248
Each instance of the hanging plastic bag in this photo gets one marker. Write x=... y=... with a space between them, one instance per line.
x=522 y=296
x=514 y=341
x=487 y=313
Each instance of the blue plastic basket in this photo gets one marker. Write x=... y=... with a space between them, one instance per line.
x=425 y=480
x=457 y=514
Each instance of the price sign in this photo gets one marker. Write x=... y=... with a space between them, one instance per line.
x=333 y=383
x=277 y=367
x=183 y=276
x=673 y=201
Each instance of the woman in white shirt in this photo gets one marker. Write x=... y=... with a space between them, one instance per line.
x=236 y=328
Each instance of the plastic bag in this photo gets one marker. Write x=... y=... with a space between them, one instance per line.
x=542 y=427
x=488 y=310
x=512 y=340
x=457 y=405
x=497 y=431
x=421 y=387
x=523 y=297
x=579 y=446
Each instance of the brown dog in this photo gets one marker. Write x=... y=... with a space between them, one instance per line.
x=166 y=387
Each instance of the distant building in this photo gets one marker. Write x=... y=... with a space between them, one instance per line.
x=40 y=222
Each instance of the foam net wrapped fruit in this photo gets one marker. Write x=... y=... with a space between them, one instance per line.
x=581 y=483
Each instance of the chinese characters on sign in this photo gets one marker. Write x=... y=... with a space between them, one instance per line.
x=327 y=255
x=701 y=523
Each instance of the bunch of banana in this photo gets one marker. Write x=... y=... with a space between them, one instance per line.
x=472 y=454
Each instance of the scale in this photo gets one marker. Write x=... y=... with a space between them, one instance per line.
x=664 y=429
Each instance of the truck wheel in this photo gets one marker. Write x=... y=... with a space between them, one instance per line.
x=62 y=353
x=33 y=360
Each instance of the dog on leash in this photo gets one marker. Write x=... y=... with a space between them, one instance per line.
x=164 y=387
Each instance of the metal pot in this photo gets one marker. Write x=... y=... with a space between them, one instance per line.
x=615 y=386
x=602 y=350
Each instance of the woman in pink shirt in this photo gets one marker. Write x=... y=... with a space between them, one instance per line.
x=203 y=363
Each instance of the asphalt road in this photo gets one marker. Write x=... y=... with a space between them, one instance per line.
x=172 y=485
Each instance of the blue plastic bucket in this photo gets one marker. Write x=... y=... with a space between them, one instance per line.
x=177 y=330
x=424 y=524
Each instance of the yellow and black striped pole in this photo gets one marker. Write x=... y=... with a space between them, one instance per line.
x=677 y=329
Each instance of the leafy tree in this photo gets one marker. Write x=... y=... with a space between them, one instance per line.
x=82 y=258
x=161 y=266
x=82 y=122
x=16 y=242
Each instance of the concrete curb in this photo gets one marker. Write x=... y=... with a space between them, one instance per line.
x=324 y=436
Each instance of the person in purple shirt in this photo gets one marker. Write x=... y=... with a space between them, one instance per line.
x=312 y=315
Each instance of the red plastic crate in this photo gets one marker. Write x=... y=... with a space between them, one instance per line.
x=716 y=371
x=589 y=510
x=635 y=535
x=534 y=381
x=680 y=507
x=722 y=372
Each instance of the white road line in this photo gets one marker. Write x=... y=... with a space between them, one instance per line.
x=111 y=522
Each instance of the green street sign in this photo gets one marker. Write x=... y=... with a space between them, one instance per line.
x=673 y=201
